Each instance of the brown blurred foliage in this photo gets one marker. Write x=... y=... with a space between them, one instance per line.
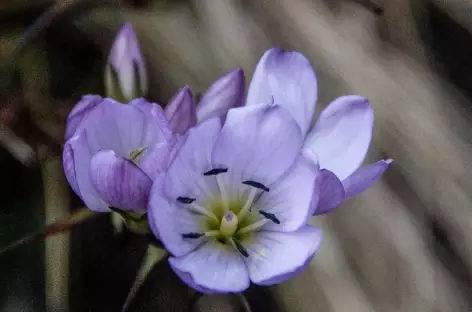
x=403 y=246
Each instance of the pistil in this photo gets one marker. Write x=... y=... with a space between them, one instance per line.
x=229 y=224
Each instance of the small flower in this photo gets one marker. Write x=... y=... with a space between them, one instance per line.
x=339 y=139
x=125 y=72
x=225 y=93
x=115 y=152
x=233 y=206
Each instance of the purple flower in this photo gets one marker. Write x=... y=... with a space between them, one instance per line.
x=125 y=72
x=233 y=206
x=339 y=139
x=115 y=150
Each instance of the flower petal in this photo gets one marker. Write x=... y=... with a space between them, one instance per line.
x=342 y=135
x=180 y=111
x=79 y=112
x=185 y=174
x=290 y=199
x=311 y=159
x=121 y=128
x=258 y=143
x=159 y=126
x=168 y=221
x=286 y=276
x=226 y=92
x=160 y=140
x=331 y=192
x=184 y=178
x=157 y=159
x=82 y=155
x=119 y=182
x=288 y=79
x=187 y=279
x=214 y=267
x=68 y=163
x=275 y=257
x=364 y=178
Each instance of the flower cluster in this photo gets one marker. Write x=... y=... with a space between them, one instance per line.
x=229 y=184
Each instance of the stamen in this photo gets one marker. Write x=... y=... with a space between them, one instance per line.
x=212 y=233
x=193 y=235
x=194 y=207
x=253 y=227
x=185 y=200
x=257 y=185
x=270 y=216
x=215 y=171
x=223 y=192
x=249 y=202
x=257 y=198
x=239 y=247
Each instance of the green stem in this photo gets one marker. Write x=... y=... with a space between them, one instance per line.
x=153 y=256
x=244 y=302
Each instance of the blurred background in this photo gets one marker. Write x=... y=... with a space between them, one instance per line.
x=405 y=245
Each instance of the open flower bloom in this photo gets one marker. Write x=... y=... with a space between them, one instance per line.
x=125 y=72
x=233 y=206
x=339 y=138
x=114 y=152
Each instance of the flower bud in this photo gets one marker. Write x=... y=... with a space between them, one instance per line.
x=125 y=72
